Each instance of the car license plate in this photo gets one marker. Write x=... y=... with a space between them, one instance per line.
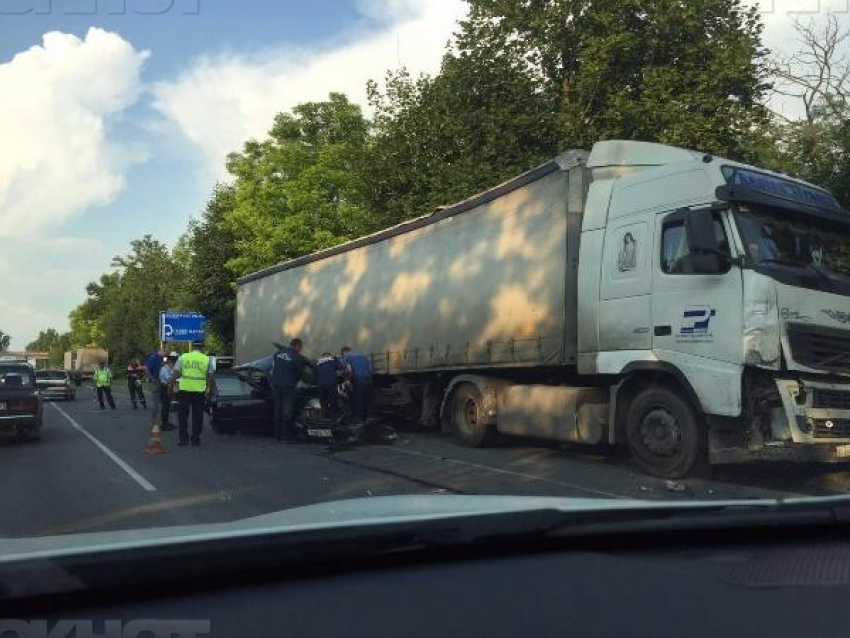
x=321 y=434
x=842 y=451
x=2 y=406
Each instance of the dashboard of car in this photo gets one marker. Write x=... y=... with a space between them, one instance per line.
x=706 y=584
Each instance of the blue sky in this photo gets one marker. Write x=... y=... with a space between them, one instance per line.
x=120 y=122
x=117 y=123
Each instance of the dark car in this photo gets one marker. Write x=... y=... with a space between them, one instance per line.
x=56 y=384
x=21 y=405
x=243 y=400
x=240 y=404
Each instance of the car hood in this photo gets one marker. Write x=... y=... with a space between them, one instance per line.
x=334 y=515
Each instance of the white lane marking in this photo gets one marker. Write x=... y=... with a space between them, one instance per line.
x=523 y=475
x=133 y=474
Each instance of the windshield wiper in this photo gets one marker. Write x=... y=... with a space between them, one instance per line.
x=783 y=262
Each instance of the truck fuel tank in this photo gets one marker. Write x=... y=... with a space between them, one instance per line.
x=573 y=415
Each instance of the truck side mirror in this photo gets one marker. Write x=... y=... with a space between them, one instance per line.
x=702 y=242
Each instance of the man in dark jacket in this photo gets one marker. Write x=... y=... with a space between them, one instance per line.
x=287 y=368
x=359 y=370
x=329 y=371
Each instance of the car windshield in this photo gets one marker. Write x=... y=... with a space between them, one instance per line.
x=51 y=375
x=12 y=377
x=264 y=255
x=775 y=238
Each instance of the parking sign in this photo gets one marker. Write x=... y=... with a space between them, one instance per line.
x=182 y=326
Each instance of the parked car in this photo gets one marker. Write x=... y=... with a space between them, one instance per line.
x=21 y=405
x=56 y=384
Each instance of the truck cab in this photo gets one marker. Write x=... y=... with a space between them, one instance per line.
x=719 y=309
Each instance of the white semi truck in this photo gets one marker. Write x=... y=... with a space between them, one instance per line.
x=690 y=307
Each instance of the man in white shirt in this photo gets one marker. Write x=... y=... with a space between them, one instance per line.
x=166 y=372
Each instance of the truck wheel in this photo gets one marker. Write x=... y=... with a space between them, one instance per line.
x=467 y=412
x=665 y=437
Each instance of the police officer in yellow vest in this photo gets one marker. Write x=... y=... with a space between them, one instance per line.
x=193 y=373
x=103 y=382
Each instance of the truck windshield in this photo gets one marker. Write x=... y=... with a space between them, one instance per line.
x=772 y=238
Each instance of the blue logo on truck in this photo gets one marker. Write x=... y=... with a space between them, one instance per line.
x=696 y=324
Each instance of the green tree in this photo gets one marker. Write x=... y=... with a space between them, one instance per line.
x=691 y=73
x=298 y=191
x=59 y=348
x=440 y=139
x=55 y=344
x=44 y=341
x=5 y=340
x=145 y=283
x=209 y=283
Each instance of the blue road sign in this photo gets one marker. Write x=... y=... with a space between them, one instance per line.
x=182 y=326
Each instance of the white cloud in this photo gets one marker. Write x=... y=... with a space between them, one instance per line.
x=43 y=278
x=222 y=101
x=58 y=156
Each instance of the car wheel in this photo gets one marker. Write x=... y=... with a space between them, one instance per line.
x=467 y=416
x=664 y=433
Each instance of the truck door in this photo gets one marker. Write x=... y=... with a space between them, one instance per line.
x=695 y=313
x=624 y=311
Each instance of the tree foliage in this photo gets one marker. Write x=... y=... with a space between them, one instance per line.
x=121 y=312
x=438 y=140
x=51 y=341
x=298 y=191
x=210 y=246
x=690 y=73
x=5 y=340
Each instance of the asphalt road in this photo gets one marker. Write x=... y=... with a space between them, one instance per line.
x=89 y=473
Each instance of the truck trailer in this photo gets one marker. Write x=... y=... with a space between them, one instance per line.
x=81 y=363
x=692 y=308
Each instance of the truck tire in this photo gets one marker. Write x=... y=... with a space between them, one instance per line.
x=665 y=434
x=467 y=416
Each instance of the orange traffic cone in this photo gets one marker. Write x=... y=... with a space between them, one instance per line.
x=155 y=444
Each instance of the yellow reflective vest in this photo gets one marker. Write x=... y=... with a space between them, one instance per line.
x=193 y=372
x=102 y=378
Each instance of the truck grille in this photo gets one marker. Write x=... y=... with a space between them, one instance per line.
x=820 y=348
x=840 y=429
x=830 y=399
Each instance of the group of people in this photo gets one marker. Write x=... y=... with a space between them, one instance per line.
x=191 y=374
x=351 y=371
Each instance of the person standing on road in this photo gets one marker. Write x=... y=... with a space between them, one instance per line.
x=134 y=385
x=103 y=382
x=329 y=369
x=166 y=372
x=359 y=370
x=194 y=375
x=151 y=370
x=287 y=368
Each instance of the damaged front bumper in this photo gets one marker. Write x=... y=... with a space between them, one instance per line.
x=812 y=425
